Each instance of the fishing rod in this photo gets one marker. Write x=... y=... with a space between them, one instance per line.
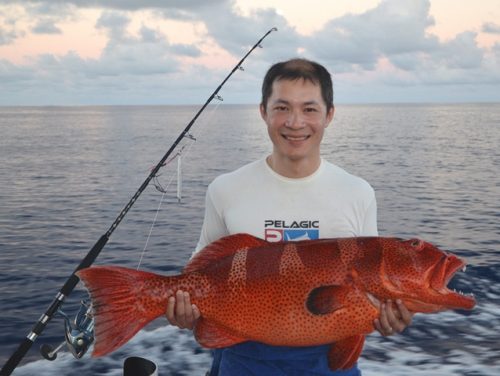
x=79 y=337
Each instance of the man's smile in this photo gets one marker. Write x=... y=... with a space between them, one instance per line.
x=295 y=138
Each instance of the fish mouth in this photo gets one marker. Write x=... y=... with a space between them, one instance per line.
x=435 y=294
x=440 y=277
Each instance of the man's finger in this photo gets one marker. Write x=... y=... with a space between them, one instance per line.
x=386 y=328
x=393 y=318
x=406 y=315
x=180 y=309
x=170 y=311
x=196 y=312
x=188 y=311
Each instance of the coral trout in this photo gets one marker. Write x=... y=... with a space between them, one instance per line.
x=303 y=293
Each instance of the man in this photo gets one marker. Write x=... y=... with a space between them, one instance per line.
x=293 y=185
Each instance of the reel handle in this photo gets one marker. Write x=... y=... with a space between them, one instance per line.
x=49 y=352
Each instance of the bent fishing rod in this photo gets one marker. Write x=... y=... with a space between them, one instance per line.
x=78 y=343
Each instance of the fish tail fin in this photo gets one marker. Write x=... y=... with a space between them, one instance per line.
x=121 y=304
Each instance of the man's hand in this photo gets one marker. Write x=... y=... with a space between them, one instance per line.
x=393 y=318
x=180 y=311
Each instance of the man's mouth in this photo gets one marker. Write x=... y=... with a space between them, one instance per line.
x=295 y=138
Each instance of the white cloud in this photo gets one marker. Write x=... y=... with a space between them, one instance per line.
x=132 y=68
x=462 y=52
x=394 y=28
x=46 y=27
x=388 y=47
x=235 y=32
x=491 y=28
x=119 y=4
x=7 y=36
x=9 y=30
x=392 y=42
x=115 y=23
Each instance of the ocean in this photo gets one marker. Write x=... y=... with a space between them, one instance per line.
x=66 y=172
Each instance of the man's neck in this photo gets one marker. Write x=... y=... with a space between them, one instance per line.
x=294 y=169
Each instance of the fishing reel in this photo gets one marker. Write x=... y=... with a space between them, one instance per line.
x=79 y=335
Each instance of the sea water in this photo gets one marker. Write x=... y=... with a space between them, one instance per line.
x=66 y=172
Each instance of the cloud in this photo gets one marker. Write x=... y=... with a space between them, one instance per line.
x=9 y=30
x=12 y=74
x=225 y=25
x=392 y=43
x=131 y=5
x=114 y=24
x=395 y=28
x=54 y=9
x=462 y=52
x=235 y=32
x=491 y=28
x=130 y=68
x=147 y=53
x=186 y=50
x=388 y=47
x=113 y=79
x=8 y=36
x=41 y=18
x=46 y=27
x=461 y=55
x=46 y=15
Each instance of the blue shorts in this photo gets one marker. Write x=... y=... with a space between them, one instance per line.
x=257 y=359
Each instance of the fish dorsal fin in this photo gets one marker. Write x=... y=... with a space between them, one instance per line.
x=326 y=299
x=221 y=248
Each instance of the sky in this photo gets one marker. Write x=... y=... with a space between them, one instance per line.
x=132 y=52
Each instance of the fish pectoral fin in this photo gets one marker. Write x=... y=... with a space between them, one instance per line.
x=213 y=336
x=344 y=353
x=327 y=299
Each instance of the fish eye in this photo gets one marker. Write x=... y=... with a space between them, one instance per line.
x=416 y=243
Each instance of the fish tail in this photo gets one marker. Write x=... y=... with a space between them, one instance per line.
x=122 y=304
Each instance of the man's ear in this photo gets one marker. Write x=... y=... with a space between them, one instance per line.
x=263 y=112
x=329 y=116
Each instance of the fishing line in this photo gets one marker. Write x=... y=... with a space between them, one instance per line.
x=178 y=156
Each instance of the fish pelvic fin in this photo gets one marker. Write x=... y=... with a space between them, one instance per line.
x=221 y=248
x=213 y=336
x=345 y=353
x=121 y=305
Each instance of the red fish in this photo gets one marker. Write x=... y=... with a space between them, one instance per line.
x=303 y=293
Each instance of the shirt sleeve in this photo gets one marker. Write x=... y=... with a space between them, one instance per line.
x=214 y=226
x=369 y=227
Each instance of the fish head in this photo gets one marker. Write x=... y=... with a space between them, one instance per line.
x=418 y=273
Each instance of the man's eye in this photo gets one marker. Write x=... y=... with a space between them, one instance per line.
x=281 y=108
x=311 y=109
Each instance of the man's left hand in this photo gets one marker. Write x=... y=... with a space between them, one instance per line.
x=394 y=318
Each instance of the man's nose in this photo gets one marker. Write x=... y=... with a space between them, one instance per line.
x=295 y=120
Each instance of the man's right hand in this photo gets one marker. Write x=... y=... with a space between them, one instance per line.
x=180 y=311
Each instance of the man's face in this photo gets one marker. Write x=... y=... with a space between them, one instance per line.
x=296 y=118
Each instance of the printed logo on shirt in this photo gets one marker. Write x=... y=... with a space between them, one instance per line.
x=281 y=230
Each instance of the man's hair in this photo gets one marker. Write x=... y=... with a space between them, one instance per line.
x=295 y=69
